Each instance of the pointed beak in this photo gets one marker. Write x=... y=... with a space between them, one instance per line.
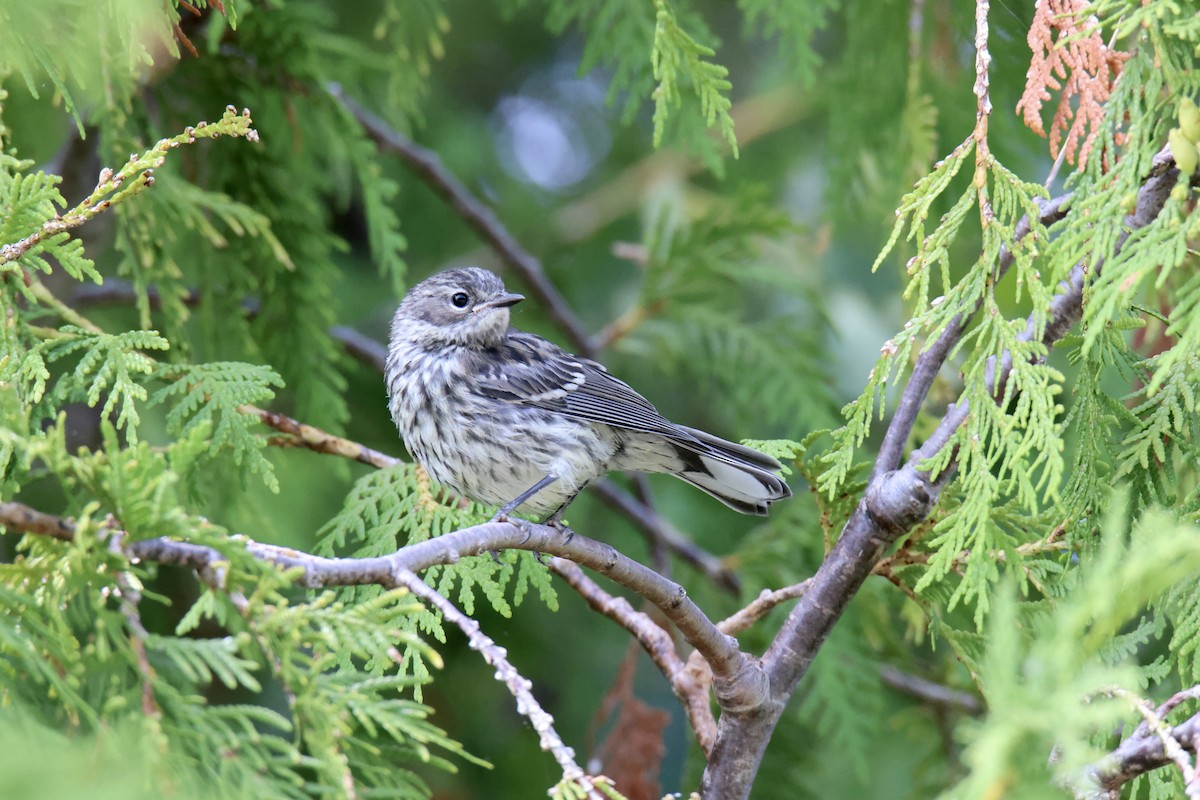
x=503 y=301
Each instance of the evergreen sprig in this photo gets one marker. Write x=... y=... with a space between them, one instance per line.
x=677 y=57
x=211 y=395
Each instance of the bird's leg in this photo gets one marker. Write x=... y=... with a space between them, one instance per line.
x=555 y=518
x=510 y=506
x=503 y=514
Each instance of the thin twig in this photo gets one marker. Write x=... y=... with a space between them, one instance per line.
x=766 y=600
x=929 y=692
x=983 y=111
x=1170 y=705
x=129 y=596
x=520 y=687
x=427 y=166
x=301 y=435
x=655 y=641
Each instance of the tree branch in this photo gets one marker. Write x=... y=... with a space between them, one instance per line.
x=658 y=529
x=766 y=600
x=506 y=673
x=318 y=572
x=643 y=516
x=1138 y=754
x=310 y=438
x=931 y=359
x=739 y=681
x=657 y=643
x=894 y=502
x=929 y=692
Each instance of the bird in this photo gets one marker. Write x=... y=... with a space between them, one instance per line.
x=510 y=419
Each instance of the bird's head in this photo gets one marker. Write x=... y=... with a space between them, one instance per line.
x=466 y=307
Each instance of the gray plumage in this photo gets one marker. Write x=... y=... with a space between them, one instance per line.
x=490 y=411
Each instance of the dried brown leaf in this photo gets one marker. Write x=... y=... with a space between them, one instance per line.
x=631 y=754
x=1071 y=57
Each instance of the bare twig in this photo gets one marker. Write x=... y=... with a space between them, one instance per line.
x=766 y=600
x=655 y=641
x=20 y=517
x=129 y=596
x=1167 y=707
x=983 y=111
x=361 y=347
x=929 y=692
x=506 y=673
x=310 y=438
x=427 y=166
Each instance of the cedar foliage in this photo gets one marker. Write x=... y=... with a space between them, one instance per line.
x=1056 y=577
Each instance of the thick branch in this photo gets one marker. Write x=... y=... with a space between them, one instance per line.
x=739 y=681
x=1136 y=755
x=895 y=501
x=1153 y=744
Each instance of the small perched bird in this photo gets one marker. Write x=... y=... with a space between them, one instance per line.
x=512 y=420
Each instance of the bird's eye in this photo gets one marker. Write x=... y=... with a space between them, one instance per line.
x=460 y=299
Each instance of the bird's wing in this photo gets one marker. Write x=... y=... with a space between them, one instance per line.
x=534 y=372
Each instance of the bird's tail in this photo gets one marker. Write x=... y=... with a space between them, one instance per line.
x=740 y=477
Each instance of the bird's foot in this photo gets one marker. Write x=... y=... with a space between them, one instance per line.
x=555 y=521
x=520 y=524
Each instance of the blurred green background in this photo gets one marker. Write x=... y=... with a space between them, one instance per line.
x=749 y=279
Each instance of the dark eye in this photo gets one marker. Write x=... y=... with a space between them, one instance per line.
x=460 y=299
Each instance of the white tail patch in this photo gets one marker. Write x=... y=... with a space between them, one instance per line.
x=736 y=481
x=741 y=487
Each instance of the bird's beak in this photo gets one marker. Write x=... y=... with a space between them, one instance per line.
x=503 y=301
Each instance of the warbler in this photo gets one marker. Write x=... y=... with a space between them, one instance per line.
x=510 y=419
